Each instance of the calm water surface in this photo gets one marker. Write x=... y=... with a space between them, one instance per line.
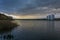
x=36 y=30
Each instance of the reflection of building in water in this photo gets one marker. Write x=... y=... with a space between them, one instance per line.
x=50 y=26
x=51 y=30
x=51 y=17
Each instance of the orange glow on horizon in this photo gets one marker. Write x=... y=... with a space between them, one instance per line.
x=35 y=16
x=25 y=17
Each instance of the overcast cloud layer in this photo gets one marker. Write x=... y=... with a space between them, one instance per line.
x=26 y=7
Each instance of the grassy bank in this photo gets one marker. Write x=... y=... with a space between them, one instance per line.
x=7 y=25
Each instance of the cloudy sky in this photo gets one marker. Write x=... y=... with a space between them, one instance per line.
x=30 y=8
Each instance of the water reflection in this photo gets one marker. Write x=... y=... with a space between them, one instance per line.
x=36 y=30
x=50 y=26
x=51 y=32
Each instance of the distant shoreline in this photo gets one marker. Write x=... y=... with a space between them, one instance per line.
x=57 y=19
x=39 y=19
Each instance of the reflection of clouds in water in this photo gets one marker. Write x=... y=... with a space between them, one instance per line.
x=35 y=30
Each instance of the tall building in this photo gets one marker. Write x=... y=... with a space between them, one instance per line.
x=51 y=17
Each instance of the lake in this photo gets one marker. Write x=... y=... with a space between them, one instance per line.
x=36 y=30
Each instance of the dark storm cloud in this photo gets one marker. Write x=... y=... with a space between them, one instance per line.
x=40 y=4
x=29 y=6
